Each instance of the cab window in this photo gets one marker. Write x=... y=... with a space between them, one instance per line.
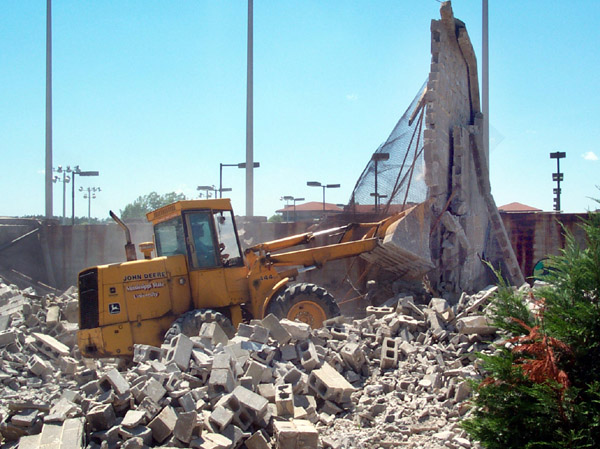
x=201 y=242
x=169 y=236
x=229 y=249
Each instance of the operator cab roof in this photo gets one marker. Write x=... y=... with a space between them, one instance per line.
x=172 y=210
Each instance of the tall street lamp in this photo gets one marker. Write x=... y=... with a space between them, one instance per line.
x=296 y=199
x=89 y=195
x=324 y=186
x=240 y=165
x=378 y=197
x=377 y=157
x=287 y=199
x=78 y=171
x=207 y=190
x=558 y=177
x=65 y=179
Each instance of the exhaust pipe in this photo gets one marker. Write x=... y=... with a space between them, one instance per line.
x=129 y=247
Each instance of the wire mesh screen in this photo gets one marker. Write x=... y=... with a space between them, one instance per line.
x=394 y=178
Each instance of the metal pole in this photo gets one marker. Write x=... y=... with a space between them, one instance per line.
x=73 y=199
x=558 y=185
x=250 y=117
x=324 y=198
x=376 y=197
x=485 y=98
x=49 y=207
x=64 y=197
x=89 y=202
x=220 y=180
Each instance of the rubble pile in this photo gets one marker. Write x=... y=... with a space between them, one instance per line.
x=398 y=377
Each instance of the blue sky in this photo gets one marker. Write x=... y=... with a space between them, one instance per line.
x=153 y=95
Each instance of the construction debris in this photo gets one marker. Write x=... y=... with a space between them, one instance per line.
x=399 y=377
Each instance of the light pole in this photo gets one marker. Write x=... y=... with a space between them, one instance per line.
x=65 y=179
x=324 y=186
x=78 y=171
x=377 y=196
x=240 y=165
x=207 y=190
x=287 y=199
x=376 y=158
x=558 y=177
x=296 y=199
x=89 y=195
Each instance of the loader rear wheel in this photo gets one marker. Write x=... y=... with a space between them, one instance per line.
x=307 y=303
x=191 y=322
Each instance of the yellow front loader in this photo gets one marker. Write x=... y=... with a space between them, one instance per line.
x=200 y=274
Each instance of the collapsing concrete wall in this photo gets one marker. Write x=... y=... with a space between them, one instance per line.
x=467 y=226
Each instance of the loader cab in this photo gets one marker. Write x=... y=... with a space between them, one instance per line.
x=202 y=230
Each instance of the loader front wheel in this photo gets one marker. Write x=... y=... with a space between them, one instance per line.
x=307 y=303
x=191 y=322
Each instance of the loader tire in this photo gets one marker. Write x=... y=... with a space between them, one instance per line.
x=190 y=323
x=307 y=303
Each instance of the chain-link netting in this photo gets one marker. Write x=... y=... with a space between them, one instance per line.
x=395 y=175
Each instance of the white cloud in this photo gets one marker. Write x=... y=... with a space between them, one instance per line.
x=589 y=156
x=351 y=97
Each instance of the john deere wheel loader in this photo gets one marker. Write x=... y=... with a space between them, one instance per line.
x=200 y=273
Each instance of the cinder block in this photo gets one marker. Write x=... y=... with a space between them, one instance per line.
x=221 y=381
x=215 y=441
x=113 y=379
x=146 y=353
x=329 y=384
x=256 y=371
x=288 y=353
x=258 y=440
x=254 y=403
x=101 y=416
x=7 y=338
x=276 y=330
x=180 y=352
x=477 y=324
x=163 y=424
x=184 y=428
x=389 y=354
x=153 y=389
x=308 y=355
x=298 y=331
x=379 y=312
x=214 y=333
x=221 y=417
x=295 y=434
x=284 y=400
x=297 y=379
x=133 y=418
x=49 y=346
x=241 y=416
x=353 y=356
x=38 y=366
x=143 y=432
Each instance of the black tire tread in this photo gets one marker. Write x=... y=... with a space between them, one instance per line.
x=190 y=323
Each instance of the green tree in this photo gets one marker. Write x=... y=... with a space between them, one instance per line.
x=543 y=390
x=275 y=218
x=144 y=204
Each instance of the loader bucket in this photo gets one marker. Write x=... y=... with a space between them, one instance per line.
x=404 y=249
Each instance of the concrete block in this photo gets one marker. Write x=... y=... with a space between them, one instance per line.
x=146 y=353
x=143 y=432
x=184 y=428
x=115 y=381
x=221 y=381
x=477 y=324
x=288 y=353
x=389 y=354
x=298 y=331
x=180 y=352
x=163 y=424
x=49 y=346
x=133 y=418
x=353 y=356
x=308 y=355
x=149 y=407
x=38 y=366
x=295 y=434
x=441 y=306
x=153 y=389
x=101 y=416
x=258 y=440
x=221 y=417
x=297 y=379
x=241 y=416
x=284 y=400
x=379 y=312
x=214 y=333
x=276 y=330
x=235 y=434
x=267 y=391
x=215 y=441
x=67 y=435
x=52 y=315
x=187 y=402
x=254 y=403
x=329 y=384
x=7 y=338
x=256 y=371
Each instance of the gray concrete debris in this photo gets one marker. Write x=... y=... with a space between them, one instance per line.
x=397 y=377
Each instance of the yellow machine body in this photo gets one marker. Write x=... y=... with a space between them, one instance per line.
x=199 y=265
